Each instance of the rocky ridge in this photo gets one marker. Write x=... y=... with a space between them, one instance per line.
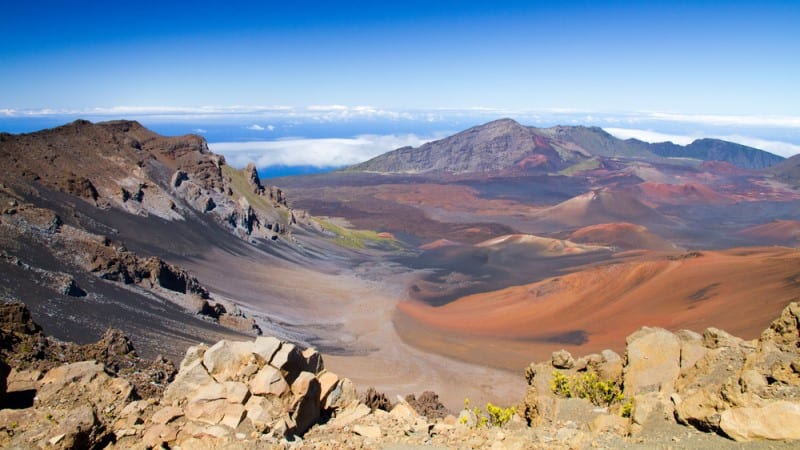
x=271 y=394
x=123 y=165
x=108 y=260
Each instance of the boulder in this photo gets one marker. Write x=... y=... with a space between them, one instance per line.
x=268 y=381
x=263 y=412
x=193 y=354
x=305 y=409
x=208 y=411
x=342 y=395
x=776 y=421
x=327 y=383
x=231 y=360
x=189 y=379
x=404 y=413
x=784 y=332
x=562 y=359
x=158 y=435
x=166 y=415
x=266 y=347
x=653 y=361
x=692 y=348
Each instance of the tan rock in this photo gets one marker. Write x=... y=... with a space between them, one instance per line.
x=23 y=380
x=233 y=415
x=268 y=381
x=266 y=347
x=166 y=415
x=236 y=392
x=562 y=359
x=610 y=423
x=225 y=360
x=692 y=348
x=262 y=412
x=404 y=413
x=193 y=354
x=343 y=394
x=653 y=361
x=210 y=412
x=777 y=421
x=158 y=434
x=368 y=431
x=349 y=415
x=313 y=361
x=290 y=359
x=189 y=378
x=327 y=382
x=306 y=404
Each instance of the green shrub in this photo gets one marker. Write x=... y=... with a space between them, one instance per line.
x=626 y=409
x=495 y=416
x=589 y=386
x=499 y=416
x=560 y=385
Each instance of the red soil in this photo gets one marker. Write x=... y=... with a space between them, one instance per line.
x=739 y=290
x=777 y=231
x=623 y=235
x=681 y=194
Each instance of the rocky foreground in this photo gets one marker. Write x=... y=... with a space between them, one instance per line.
x=669 y=390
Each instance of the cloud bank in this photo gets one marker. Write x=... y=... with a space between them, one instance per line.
x=319 y=153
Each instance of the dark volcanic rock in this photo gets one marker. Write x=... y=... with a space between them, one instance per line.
x=24 y=346
x=376 y=400
x=428 y=405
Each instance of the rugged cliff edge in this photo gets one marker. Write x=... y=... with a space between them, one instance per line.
x=270 y=393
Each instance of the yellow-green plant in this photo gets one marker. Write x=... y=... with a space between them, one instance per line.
x=495 y=416
x=560 y=385
x=589 y=386
x=499 y=416
x=627 y=409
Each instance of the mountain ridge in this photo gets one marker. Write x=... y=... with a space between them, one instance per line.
x=506 y=145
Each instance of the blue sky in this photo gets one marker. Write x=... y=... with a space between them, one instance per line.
x=270 y=60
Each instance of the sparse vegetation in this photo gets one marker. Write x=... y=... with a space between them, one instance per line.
x=242 y=187
x=495 y=416
x=351 y=238
x=626 y=409
x=587 y=386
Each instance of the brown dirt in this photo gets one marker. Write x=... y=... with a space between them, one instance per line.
x=738 y=290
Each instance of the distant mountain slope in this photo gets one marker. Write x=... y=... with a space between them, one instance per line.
x=505 y=145
x=788 y=170
x=719 y=150
x=494 y=146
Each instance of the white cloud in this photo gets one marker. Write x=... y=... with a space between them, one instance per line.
x=726 y=120
x=271 y=127
x=777 y=147
x=327 y=108
x=313 y=152
x=649 y=136
x=255 y=127
x=200 y=130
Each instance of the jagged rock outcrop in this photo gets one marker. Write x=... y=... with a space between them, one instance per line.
x=123 y=165
x=715 y=382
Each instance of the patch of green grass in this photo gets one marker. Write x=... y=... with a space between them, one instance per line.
x=243 y=188
x=350 y=238
x=586 y=164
